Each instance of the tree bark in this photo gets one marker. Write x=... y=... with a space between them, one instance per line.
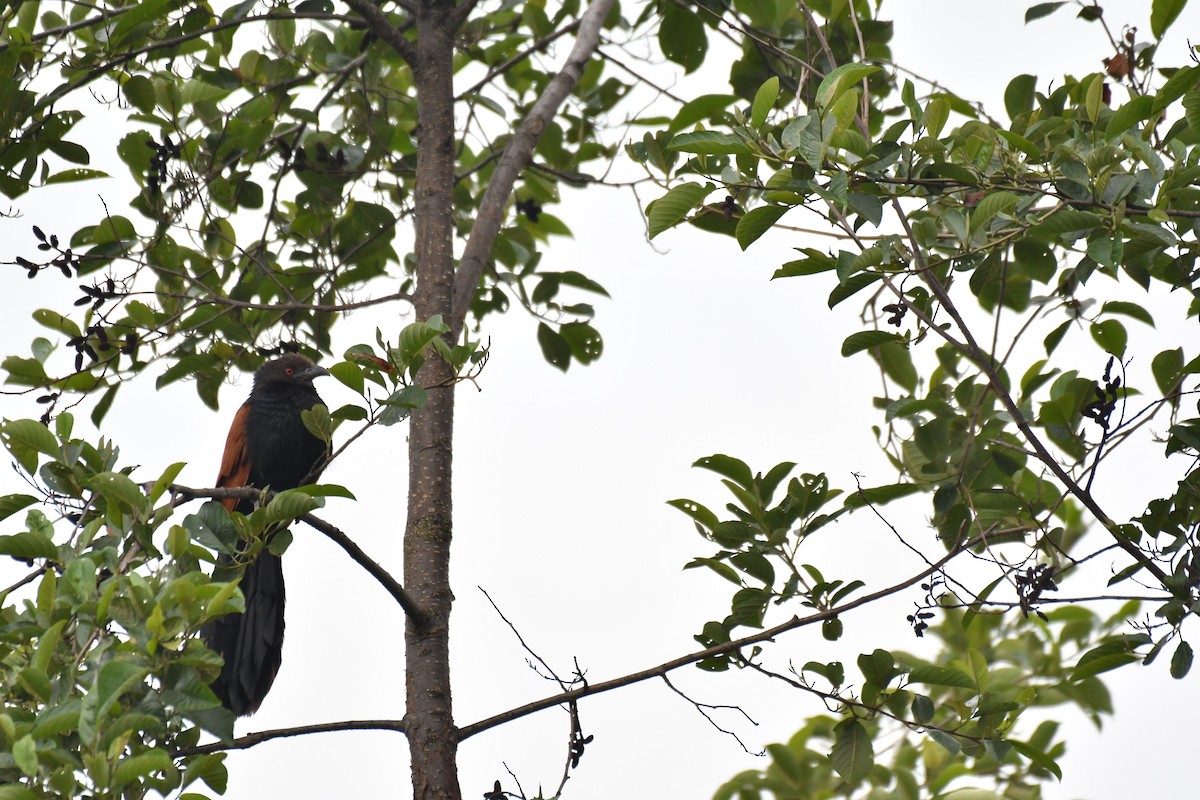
x=429 y=720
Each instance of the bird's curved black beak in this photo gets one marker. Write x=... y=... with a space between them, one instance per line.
x=315 y=371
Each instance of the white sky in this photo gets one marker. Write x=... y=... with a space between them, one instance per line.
x=561 y=483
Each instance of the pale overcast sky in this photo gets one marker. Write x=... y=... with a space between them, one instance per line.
x=561 y=490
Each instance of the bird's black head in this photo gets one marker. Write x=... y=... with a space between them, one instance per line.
x=290 y=368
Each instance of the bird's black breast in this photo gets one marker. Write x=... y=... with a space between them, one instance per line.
x=281 y=451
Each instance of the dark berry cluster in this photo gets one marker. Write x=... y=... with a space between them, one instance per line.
x=158 y=163
x=65 y=261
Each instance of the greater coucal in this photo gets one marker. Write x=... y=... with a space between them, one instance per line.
x=268 y=447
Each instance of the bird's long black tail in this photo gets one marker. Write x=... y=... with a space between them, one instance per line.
x=252 y=642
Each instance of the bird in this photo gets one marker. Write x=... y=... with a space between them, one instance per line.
x=268 y=447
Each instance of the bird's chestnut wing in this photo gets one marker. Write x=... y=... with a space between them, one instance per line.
x=235 y=464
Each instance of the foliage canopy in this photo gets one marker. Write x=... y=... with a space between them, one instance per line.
x=1009 y=274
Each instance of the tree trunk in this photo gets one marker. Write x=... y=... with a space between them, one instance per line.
x=429 y=719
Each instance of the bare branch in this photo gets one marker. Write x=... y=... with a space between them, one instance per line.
x=717 y=650
x=382 y=27
x=332 y=308
x=251 y=739
x=335 y=534
x=32 y=576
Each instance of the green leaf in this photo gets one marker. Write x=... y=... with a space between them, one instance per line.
x=749 y=606
x=922 y=709
x=31 y=434
x=1136 y=110
x=289 y=505
x=1102 y=658
x=100 y=410
x=720 y=567
x=1110 y=334
x=945 y=740
x=1067 y=223
x=1191 y=109
x=682 y=37
x=56 y=720
x=327 y=490
x=704 y=517
x=74 y=175
x=118 y=488
x=585 y=341
x=136 y=16
x=28 y=545
x=1175 y=87
x=839 y=80
x=672 y=207
x=936 y=114
x=941 y=676
x=116 y=677
x=1129 y=310
x=414 y=338
x=878 y=495
x=165 y=480
x=1019 y=95
x=24 y=753
x=979 y=667
x=1038 y=757
x=756 y=565
x=1167 y=366
x=704 y=107
x=554 y=347
x=757 y=222
x=56 y=322
x=1001 y=202
x=1162 y=14
x=402 y=402
x=12 y=503
x=764 y=101
x=348 y=374
x=864 y=340
x=219 y=604
x=710 y=143
x=853 y=755
x=139 y=91
x=318 y=422
x=210 y=767
x=729 y=467
x=851 y=286
x=141 y=765
x=980 y=598
x=1094 y=99
x=1041 y=10
x=878 y=667
x=1181 y=660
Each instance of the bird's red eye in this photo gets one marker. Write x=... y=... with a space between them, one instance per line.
x=289 y=371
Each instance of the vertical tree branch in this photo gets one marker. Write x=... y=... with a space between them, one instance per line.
x=986 y=364
x=429 y=718
x=517 y=156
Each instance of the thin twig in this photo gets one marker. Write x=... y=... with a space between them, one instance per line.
x=705 y=708
x=251 y=739
x=710 y=652
x=549 y=670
